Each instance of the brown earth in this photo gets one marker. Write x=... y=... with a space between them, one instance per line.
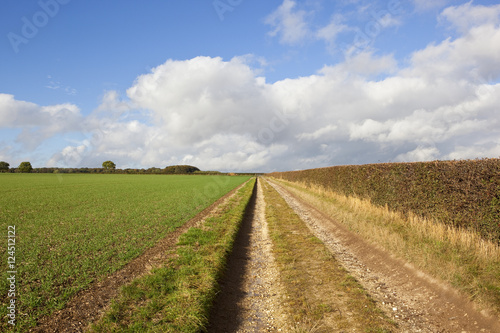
x=416 y=301
x=88 y=305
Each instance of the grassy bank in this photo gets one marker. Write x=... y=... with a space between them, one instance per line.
x=321 y=295
x=177 y=296
x=458 y=256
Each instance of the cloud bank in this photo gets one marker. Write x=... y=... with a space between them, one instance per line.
x=222 y=115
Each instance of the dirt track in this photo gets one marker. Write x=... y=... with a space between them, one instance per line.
x=417 y=302
x=250 y=297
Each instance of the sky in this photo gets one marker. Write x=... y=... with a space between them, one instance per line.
x=248 y=86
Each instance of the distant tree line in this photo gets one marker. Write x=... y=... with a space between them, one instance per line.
x=24 y=167
x=110 y=167
x=107 y=167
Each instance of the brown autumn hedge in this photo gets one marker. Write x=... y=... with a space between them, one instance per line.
x=461 y=193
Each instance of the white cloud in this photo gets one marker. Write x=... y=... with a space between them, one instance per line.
x=222 y=115
x=389 y=20
x=69 y=156
x=38 y=123
x=419 y=154
x=365 y=63
x=468 y=16
x=14 y=113
x=322 y=132
x=198 y=98
x=111 y=102
x=472 y=56
x=56 y=85
x=474 y=151
x=330 y=32
x=288 y=23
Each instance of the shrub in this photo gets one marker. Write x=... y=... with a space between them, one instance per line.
x=25 y=167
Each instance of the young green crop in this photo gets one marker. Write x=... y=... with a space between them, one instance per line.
x=75 y=229
x=177 y=296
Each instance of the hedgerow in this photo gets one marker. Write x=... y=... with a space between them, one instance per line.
x=463 y=193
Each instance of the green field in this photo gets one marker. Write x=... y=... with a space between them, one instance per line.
x=72 y=230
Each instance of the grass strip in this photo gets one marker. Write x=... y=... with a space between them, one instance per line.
x=321 y=295
x=457 y=256
x=177 y=296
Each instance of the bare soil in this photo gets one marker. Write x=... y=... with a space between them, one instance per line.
x=414 y=300
x=88 y=305
x=250 y=296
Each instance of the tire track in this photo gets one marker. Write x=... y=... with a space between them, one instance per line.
x=250 y=295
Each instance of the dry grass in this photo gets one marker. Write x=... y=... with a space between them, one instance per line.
x=321 y=295
x=457 y=256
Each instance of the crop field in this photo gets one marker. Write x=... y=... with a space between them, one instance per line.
x=72 y=230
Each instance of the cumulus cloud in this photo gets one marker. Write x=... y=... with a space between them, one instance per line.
x=37 y=123
x=214 y=113
x=201 y=97
x=288 y=23
x=419 y=154
x=330 y=32
x=70 y=155
x=222 y=114
x=473 y=56
x=365 y=63
x=468 y=16
x=111 y=102
x=491 y=149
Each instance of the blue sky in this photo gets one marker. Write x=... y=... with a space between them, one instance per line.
x=235 y=85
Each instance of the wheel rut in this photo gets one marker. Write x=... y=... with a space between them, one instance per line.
x=250 y=296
